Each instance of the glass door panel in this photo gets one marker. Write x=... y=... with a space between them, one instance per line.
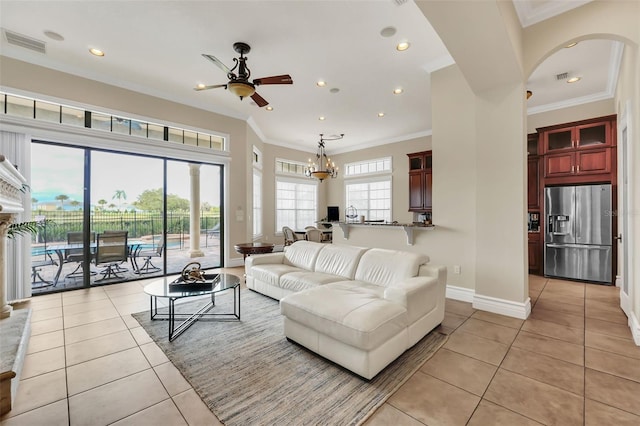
x=57 y=182
x=126 y=217
x=187 y=243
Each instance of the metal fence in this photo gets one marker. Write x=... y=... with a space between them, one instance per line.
x=139 y=224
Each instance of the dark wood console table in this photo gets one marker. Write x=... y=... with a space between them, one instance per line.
x=247 y=249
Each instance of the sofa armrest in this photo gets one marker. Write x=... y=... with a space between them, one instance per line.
x=262 y=259
x=435 y=271
x=419 y=295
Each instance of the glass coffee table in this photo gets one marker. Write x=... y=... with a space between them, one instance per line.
x=161 y=288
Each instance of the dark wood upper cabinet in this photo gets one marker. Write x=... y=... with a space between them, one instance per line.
x=420 y=182
x=579 y=152
x=588 y=134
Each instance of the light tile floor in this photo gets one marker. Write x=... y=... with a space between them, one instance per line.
x=572 y=362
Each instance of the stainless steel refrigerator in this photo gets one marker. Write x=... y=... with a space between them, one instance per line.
x=578 y=232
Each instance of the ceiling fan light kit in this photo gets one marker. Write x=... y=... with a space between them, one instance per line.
x=241 y=89
x=239 y=83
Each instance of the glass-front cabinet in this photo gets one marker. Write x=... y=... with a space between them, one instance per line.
x=576 y=137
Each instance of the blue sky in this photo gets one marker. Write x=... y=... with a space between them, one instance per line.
x=59 y=170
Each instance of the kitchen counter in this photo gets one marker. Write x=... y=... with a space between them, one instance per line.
x=408 y=228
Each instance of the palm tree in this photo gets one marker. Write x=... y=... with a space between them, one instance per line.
x=119 y=195
x=102 y=203
x=75 y=203
x=34 y=202
x=62 y=198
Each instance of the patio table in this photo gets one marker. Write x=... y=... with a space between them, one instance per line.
x=61 y=249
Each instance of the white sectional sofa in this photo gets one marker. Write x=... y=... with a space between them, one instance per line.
x=360 y=308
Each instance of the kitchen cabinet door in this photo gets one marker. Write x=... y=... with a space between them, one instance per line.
x=593 y=161
x=533 y=183
x=556 y=165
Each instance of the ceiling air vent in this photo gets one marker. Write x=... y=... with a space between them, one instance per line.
x=24 y=41
x=399 y=2
x=562 y=76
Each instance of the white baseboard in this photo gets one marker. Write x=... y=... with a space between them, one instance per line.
x=460 y=293
x=520 y=310
x=634 y=325
x=625 y=304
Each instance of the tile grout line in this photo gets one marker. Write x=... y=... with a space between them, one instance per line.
x=482 y=398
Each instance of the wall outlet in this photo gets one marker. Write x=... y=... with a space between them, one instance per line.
x=456 y=269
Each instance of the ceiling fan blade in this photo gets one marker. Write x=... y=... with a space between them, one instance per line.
x=259 y=100
x=276 y=79
x=215 y=86
x=216 y=61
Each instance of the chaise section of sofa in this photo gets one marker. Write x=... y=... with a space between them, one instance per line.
x=360 y=308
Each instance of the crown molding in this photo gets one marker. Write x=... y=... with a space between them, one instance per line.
x=529 y=15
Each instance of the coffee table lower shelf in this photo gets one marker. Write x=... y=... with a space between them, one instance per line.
x=190 y=318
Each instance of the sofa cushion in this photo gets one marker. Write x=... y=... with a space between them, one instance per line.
x=339 y=260
x=301 y=280
x=302 y=254
x=358 y=319
x=360 y=287
x=271 y=273
x=384 y=267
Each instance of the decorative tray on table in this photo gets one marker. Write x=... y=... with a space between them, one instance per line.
x=193 y=278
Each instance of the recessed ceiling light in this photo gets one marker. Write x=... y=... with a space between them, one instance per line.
x=321 y=83
x=573 y=79
x=381 y=114
x=388 y=32
x=269 y=108
x=321 y=118
x=334 y=90
x=397 y=91
x=571 y=45
x=200 y=86
x=403 y=46
x=53 y=35
x=96 y=52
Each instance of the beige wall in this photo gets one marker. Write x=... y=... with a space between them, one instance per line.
x=567 y=115
x=627 y=107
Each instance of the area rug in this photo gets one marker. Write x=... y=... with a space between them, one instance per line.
x=248 y=373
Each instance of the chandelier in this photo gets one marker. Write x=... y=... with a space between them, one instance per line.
x=322 y=168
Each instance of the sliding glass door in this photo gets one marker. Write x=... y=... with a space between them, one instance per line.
x=140 y=217
x=57 y=194
x=193 y=215
x=126 y=216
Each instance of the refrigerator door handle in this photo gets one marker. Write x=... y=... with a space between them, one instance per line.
x=579 y=246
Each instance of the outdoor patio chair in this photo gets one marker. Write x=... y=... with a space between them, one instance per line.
x=213 y=232
x=290 y=237
x=36 y=268
x=77 y=255
x=130 y=254
x=148 y=267
x=111 y=251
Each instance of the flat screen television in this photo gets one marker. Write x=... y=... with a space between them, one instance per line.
x=333 y=214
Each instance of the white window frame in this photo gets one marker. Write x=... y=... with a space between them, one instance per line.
x=257 y=197
x=295 y=163
x=368 y=163
x=387 y=177
x=299 y=181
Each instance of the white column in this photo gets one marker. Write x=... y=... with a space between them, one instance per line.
x=5 y=309
x=194 y=212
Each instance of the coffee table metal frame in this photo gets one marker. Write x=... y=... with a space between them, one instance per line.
x=160 y=288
